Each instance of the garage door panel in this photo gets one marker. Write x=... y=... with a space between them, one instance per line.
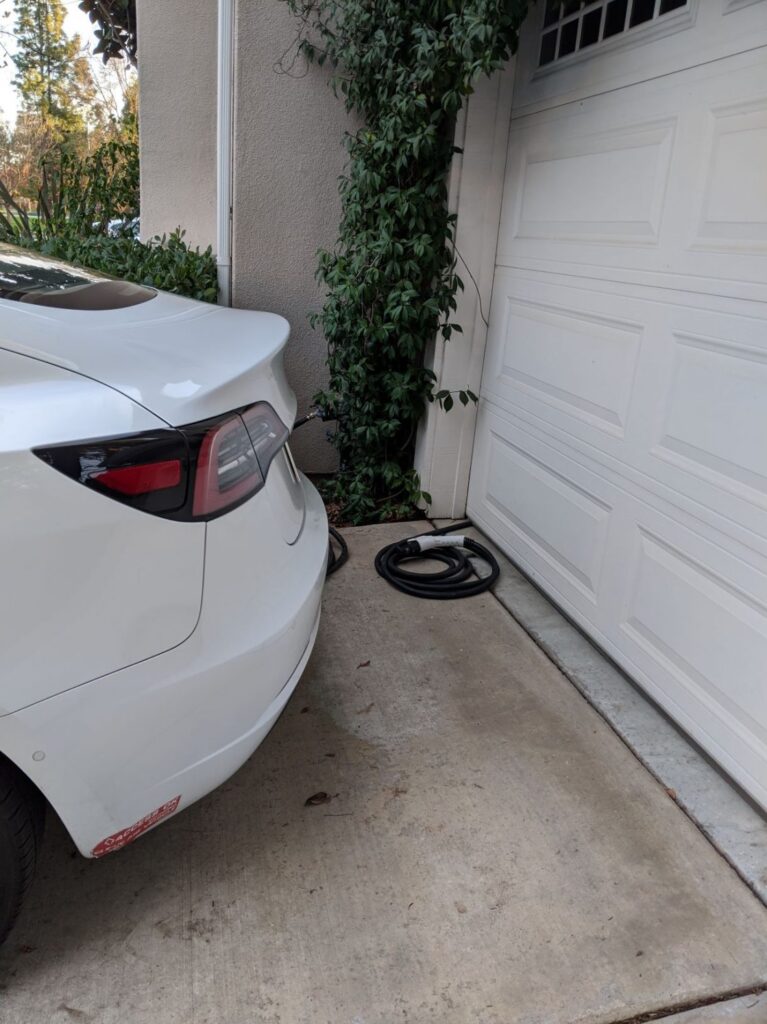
x=636 y=385
x=702 y=428
x=585 y=178
x=568 y=356
x=669 y=183
x=562 y=193
x=694 y=632
x=701 y=626
x=733 y=203
x=714 y=416
x=529 y=489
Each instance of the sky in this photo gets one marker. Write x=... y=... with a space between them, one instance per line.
x=76 y=23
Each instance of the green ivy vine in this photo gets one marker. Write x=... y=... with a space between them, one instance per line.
x=404 y=67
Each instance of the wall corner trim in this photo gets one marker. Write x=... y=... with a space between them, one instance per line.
x=445 y=440
x=224 y=148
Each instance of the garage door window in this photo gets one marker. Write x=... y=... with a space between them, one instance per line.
x=575 y=25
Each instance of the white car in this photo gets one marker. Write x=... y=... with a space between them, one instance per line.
x=162 y=559
x=122 y=228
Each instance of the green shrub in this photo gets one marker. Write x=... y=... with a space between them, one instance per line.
x=78 y=196
x=167 y=263
x=76 y=202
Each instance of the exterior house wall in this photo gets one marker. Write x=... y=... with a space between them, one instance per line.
x=288 y=129
x=177 y=113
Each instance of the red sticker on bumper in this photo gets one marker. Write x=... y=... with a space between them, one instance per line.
x=127 y=835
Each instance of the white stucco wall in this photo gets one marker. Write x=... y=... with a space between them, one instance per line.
x=177 y=109
x=288 y=155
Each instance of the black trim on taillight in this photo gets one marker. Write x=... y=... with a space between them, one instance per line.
x=192 y=473
x=91 y=463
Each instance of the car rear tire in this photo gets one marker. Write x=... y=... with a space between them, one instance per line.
x=22 y=818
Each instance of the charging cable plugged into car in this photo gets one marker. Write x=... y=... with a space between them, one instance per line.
x=338 y=549
x=457 y=579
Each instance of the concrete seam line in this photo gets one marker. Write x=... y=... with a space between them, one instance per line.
x=695 y=1004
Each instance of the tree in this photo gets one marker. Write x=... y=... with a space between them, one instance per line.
x=52 y=74
x=19 y=168
x=115 y=28
x=114 y=111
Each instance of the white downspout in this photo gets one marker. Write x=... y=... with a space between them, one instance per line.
x=224 y=127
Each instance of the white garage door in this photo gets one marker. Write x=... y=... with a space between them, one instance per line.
x=621 y=448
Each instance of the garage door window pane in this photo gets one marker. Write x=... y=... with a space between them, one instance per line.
x=574 y=25
x=615 y=17
x=552 y=14
x=568 y=36
x=548 y=48
x=590 y=28
x=642 y=11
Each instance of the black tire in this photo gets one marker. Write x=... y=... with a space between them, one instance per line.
x=22 y=817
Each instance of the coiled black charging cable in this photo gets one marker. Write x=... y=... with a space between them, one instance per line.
x=457 y=579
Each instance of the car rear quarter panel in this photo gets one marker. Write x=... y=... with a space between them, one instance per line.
x=89 y=585
x=168 y=730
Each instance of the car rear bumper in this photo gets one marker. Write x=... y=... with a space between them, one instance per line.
x=120 y=753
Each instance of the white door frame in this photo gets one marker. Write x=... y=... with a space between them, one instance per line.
x=446 y=440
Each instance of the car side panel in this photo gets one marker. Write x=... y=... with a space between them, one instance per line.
x=163 y=733
x=88 y=585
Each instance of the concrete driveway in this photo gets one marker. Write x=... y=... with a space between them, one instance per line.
x=491 y=853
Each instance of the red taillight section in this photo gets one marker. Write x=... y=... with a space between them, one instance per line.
x=227 y=469
x=196 y=472
x=133 y=480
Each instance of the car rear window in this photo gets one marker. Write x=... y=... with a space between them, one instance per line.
x=42 y=281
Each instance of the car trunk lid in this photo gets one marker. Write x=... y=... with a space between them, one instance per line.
x=184 y=361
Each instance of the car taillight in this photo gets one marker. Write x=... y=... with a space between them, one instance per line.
x=148 y=471
x=267 y=433
x=227 y=469
x=133 y=480
x=195 y=472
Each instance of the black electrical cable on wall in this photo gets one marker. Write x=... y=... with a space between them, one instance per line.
x=457 y=579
